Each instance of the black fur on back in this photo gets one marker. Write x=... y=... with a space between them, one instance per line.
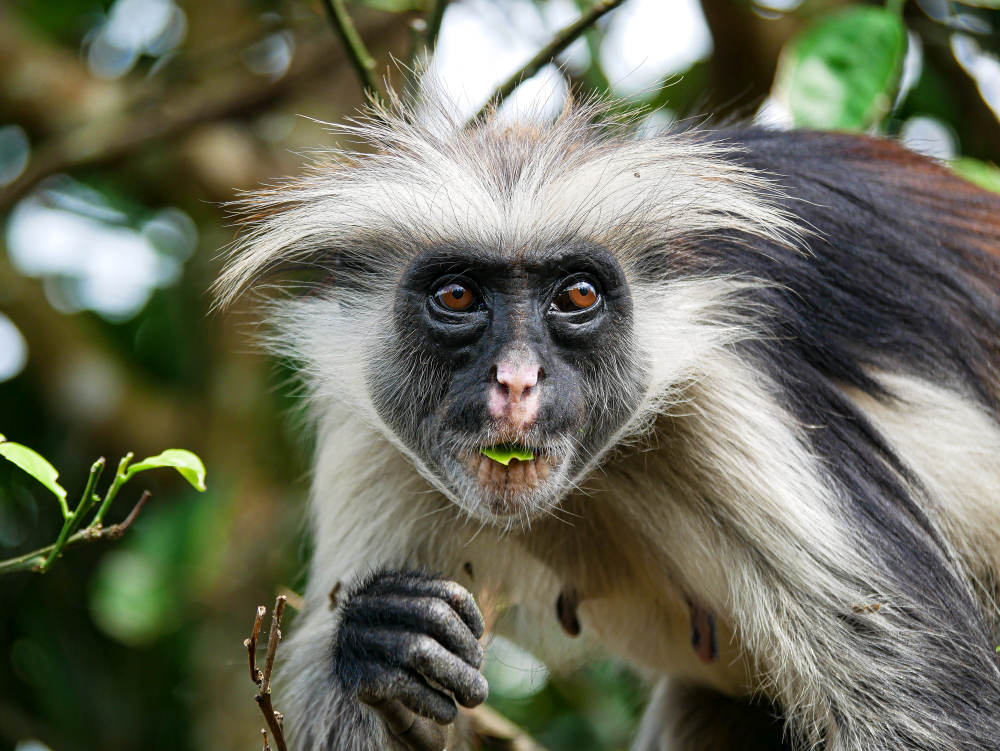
x=901 y=274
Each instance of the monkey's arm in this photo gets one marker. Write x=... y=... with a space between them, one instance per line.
x=381 y=652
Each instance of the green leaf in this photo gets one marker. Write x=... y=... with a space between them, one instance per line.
x=983 y=174
x=505 y=453
x=34 y=464
x=185 y=462
x=843 y=70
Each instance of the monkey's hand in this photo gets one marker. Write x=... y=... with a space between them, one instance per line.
x=407 y=646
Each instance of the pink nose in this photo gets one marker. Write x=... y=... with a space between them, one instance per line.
x=517 y=380
x=513 y=397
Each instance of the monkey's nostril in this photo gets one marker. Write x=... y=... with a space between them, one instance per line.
x=515 y=380
x=541 y=374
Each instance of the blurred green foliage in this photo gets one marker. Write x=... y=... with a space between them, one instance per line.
x=139 y=645
x=842 y=72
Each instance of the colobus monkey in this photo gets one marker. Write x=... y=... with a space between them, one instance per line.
x=724 y=402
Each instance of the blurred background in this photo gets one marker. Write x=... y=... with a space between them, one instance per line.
x=125 y=126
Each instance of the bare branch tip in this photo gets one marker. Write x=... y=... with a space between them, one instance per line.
x=143 y=500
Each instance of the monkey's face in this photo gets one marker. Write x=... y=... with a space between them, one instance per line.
x=528 y=353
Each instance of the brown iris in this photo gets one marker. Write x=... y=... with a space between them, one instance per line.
x=455 y=297
x=578 y=295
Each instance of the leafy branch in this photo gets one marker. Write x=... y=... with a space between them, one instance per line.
x=71 y=533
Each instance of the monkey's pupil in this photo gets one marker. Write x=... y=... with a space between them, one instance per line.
x=454 y=297
x=577 y=296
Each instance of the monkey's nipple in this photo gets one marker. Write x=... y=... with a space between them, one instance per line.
x=704 y=639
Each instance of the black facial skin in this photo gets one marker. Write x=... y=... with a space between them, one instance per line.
x=440 y=409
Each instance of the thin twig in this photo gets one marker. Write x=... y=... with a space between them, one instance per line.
x=35 y=560
x=116 y=483
x=434 y=25
x=73 y=521
x=560 y=41
x=251 y=645
x=117 y=530
x=273 y=720
x=357 y=53
x=423 y=39
x=272 y=641
x=263 y=678
x=89 y=496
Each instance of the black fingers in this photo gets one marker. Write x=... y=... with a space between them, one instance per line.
x=397 y=684
x=414 y=732
x=422 y=654
x=408 y=639
x=429 y=658
x=417 y=585
x=421 y=614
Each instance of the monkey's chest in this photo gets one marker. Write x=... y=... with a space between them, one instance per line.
x=635 y=610
x=661 y=635
x=618 y=589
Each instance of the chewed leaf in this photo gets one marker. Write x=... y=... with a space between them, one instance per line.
x=505 y=453
x=34 y=464
x=185 y=462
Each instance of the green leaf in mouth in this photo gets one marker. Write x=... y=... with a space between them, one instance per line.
x=505 y=452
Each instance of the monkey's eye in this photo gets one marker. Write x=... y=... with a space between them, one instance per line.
x=577 y=295
x=455 y=297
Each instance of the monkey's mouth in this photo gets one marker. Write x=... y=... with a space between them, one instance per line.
x=509 y=486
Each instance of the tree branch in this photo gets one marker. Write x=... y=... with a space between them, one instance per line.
x=251 y=645
x=434 y=19
x=100 y=146
x=263 y=677
x=423 y=38
x=362 y=62
x=560 y=41
x=116 y=138
x=34 y=560
x=272 y=642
